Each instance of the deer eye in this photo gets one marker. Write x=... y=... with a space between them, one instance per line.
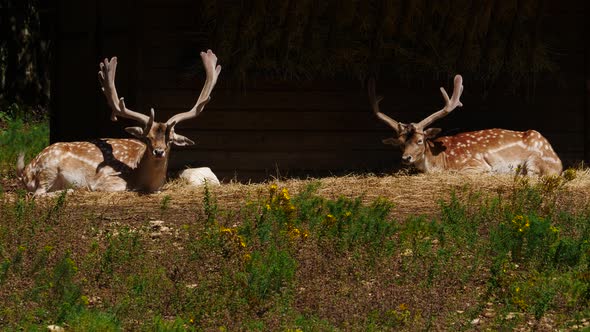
x=420 y=141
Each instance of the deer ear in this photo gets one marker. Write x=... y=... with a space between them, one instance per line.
x=180 y=140
x=432 y=132
x=135 y=131
x=392 y=141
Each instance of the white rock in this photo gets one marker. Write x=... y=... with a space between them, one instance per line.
x=55 y=328
x=198 y=176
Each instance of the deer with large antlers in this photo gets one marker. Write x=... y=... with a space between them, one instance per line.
x=490 y=150
x=109 y=164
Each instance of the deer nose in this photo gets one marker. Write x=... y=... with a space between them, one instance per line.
x=407 y=158
x=159 y=153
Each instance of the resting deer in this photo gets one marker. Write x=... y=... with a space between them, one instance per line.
x=490 y=150
x=110 y=164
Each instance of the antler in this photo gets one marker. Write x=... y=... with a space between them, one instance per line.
x=374 y=100
x=450 y=104
x=106 y=77
x=212 y=70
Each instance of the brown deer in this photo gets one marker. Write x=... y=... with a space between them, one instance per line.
x=489 y=150
x=110 y=164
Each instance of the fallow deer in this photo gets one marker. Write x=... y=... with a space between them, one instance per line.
x=489 y=150
x=111 y=164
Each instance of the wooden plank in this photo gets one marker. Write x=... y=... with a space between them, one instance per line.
x=285 y=160
x=73 y=74
x=286 y=141
x=363 y=119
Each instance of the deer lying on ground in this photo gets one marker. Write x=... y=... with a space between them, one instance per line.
x=490 y=150
x=110 y=164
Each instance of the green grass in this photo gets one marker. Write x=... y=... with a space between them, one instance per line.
x=301 y=262
x=20 y=132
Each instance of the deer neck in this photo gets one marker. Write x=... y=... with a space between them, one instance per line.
x=434 y=158
x=150 y=174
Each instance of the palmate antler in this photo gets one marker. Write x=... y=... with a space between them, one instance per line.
x=106 y=77
x=212 y=70
x=450 y=105
x=374 y=101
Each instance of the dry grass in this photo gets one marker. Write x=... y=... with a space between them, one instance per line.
x=411 y=194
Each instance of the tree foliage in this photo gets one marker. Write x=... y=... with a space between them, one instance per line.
x=24 y=54
x=301 y=39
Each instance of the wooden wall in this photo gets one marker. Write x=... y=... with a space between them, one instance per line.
x=289 y=128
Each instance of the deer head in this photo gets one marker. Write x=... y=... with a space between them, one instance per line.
x=413 y=138
x=158 y=136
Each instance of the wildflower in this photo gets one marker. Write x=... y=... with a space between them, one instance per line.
x=295 y=233
x=521 y=223
x=305 y=234
x=273 y=189
x=402 y=306
x=285 y=194
x=225 y=230
x=330 y=220
x=247 y=257
x=347 y=214
x=554 y=229
x=268 y=207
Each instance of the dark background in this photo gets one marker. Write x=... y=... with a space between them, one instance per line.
x=291 y=99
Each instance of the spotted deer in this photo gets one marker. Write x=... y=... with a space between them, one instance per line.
x=110 y=164
x=489 y=150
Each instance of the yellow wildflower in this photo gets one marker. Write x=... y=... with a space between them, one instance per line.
x=330 y=219
x=285 y=194
x=225 y=230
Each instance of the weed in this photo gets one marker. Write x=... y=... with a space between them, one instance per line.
x=165 y=203
x=209 y=204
